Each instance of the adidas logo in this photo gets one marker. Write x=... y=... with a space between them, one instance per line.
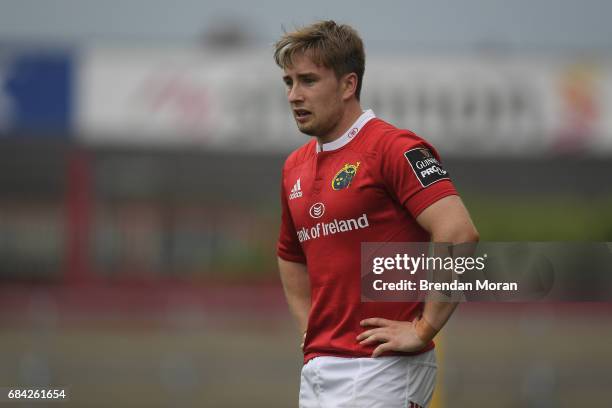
x=296 y=191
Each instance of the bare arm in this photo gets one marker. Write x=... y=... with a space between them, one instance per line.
x=447 y=220
x=296 y=285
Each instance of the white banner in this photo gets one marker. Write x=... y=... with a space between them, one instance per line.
x=463 y=105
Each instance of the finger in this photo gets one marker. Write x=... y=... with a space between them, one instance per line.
x=377 y=338
x=368 y=333
x=382 y=348
x=375 y=321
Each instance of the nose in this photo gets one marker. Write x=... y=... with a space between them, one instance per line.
x=294 y=94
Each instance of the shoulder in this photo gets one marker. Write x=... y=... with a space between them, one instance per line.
x=300 y=155
x=383 y=137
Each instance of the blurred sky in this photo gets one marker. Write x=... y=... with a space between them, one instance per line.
x=436 y=25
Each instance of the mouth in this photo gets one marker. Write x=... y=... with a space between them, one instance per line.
x=301 y=115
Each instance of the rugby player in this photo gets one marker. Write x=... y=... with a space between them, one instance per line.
x=359 y=179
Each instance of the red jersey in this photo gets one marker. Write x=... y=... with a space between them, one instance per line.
x=367 y=186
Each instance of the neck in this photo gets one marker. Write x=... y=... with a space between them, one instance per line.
x=350 y=115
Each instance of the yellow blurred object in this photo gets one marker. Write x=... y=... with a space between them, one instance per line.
x=438 y=396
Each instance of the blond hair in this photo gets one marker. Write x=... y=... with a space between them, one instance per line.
x=337 y=47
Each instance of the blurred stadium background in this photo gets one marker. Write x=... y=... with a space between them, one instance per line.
x=140 y=155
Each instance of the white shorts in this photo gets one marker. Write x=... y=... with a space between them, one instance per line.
x=389 y=382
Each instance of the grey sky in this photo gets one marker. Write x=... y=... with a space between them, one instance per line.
x=437 y=25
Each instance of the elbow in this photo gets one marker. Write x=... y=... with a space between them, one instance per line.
x=468 y=235
x=461 y=234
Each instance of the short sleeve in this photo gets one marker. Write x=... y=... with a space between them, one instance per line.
x=413 y=172
x=288 y=246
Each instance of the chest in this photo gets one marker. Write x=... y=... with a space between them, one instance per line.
x=334 y=186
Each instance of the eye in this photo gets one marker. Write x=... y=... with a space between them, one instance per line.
x=309 y=81
x=287 y=83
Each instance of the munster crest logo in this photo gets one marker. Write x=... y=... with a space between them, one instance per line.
x=343 y=178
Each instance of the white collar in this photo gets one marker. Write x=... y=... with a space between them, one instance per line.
x=352 y=131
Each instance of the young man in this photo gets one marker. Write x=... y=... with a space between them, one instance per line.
x=360 y=170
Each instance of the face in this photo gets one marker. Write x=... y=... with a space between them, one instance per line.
x=315 y=96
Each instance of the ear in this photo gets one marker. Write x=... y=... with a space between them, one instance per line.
x=349 y=85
